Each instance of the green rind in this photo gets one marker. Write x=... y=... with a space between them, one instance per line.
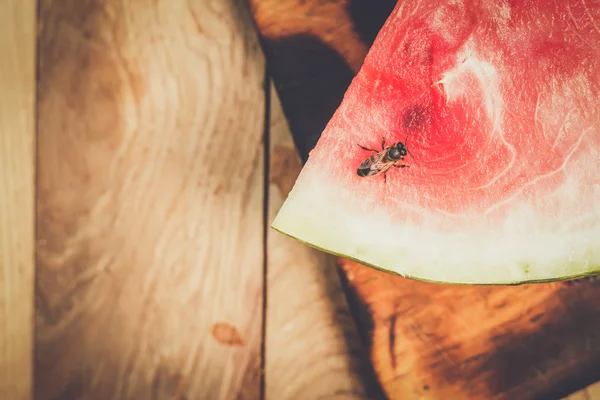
x=415 y=278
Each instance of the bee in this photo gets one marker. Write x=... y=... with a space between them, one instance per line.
x=383 y=160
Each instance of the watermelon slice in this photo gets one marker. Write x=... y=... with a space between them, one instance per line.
x=497 y=104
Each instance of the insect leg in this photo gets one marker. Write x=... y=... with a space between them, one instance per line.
x=383 y=144
x=385 y=177
x=401 y=166
x=364 y=148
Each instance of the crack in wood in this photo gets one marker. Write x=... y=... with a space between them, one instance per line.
x=392 y=340
x=266 y=225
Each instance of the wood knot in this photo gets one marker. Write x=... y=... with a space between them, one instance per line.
x=226 y=334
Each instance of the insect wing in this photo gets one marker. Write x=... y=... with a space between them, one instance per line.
x=374 y=164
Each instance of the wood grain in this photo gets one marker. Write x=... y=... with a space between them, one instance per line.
x=150 y=207
x=434 y=341
x=17 y=193
x=426 y=340
x=313 y=350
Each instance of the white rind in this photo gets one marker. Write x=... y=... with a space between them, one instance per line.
x=322 y=217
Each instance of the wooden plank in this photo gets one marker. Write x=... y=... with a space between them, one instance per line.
x=426 y=341
x=17 y=193
x=591 y=392
x=150 y=205
x=433 y=341
x=313 y=350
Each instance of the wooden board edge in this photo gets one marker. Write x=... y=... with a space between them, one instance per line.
x=17 y=196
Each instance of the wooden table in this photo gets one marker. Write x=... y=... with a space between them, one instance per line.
x=139 y=179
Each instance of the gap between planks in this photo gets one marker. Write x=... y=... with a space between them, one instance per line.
x=266 y=226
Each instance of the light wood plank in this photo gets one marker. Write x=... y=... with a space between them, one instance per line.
x=580 y=395
x=17 y=155
x=150 y=201
x=591 y=392
x=312 y=348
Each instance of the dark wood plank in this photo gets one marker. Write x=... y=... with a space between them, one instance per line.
x=426 y=341
x=150 y=201
x=17 y=194
x=432 y=341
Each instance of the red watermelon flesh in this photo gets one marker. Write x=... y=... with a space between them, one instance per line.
x=498 y=104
